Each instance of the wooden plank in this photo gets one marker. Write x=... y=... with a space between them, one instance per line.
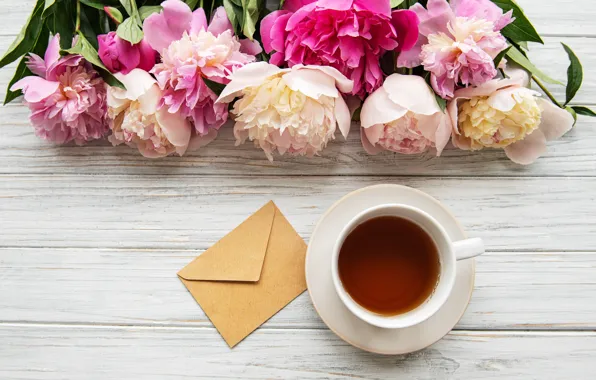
x=525 y=291
x=66 y=352
x=22 y=152
x=189 y=212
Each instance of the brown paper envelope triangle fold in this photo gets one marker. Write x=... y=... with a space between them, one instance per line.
x=239 y=255
x=238 y=308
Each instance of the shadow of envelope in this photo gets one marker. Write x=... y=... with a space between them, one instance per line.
x=248 y=275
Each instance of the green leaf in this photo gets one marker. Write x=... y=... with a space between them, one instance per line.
x=128 y=6
x=516 y=56
x=114 y=14
x=584 y=111
x=235 y=15
x=148 y=10
x=281 y=4
x=192 y=3
x=26 y=38
x=521 y=29
x=214 y=86
x=250 y=10
x=100 y=4
x=396 y=3
x=500 y=56
x=46 y=8
x=524 y=45
x=573 y=113
x=87 y=27
x=85 y=49
x=62 y=21
x=575 y=75
x=22 y=71
x=441 y=102
x=129 y=30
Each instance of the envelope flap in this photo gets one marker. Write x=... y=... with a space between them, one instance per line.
x=239 y=255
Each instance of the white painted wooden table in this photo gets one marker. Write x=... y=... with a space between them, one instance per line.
x=91 y=239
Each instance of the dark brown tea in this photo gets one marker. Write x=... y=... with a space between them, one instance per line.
x=389 y=265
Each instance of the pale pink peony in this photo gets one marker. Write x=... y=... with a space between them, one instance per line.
x=403 y=116
x=136 y=120
x=458 y=42
x=350 y=35
x=504 y=114
x=294 y=111
x=67 y=98
x=190 y=51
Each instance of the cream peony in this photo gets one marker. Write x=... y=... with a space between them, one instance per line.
x=403 y=116
x=293 y=111
x=505 y=114
x=136 y=120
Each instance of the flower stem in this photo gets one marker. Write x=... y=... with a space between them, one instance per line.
x=546 y=91
x=78 y=24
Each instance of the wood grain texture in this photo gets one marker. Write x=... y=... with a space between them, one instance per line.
x=514 y=291
x=192 y=212
x=47 y=352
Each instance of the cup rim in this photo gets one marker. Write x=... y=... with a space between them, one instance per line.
x=409 y=318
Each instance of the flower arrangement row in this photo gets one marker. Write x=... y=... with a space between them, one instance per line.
x=164 y=77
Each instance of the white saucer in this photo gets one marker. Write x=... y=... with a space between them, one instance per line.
x=333 y=312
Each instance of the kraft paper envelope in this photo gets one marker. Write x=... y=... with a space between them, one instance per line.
x=248 y=275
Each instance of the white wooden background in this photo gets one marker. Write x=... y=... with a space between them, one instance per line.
x=91 y=239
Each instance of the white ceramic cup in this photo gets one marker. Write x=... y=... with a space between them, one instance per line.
x=449 y=252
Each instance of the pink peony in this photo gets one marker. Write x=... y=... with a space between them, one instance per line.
x=120 y=56
x=350 y=35
x=67 y=98
x=403 y=116
x=190 y=51
x=458 y=42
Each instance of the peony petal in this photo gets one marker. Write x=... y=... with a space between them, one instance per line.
x=411 y=92
x=343 y=117
x=368 y=147
x=518 y=74
x=198 y=141
x=312 y=83
x=199 y=21
x=338 y=5
x=555 y=122
x=149 y=101
x=137 y=83
x=53 y=51
x=266 y=28
x=249 y=75
x=250 y=47
x=36 y=65
x=411 y=58
x=374 y=133
x=435 y=128
x=163 y=28
x=379 y=109
x=405 y=23
x=294 y=5
x=344 y=84
x=376 y=7
x=219 y=22
x=175 y=126
x=526 y=151
x=504 y=100
x=35 y=89
x=485 y=89
x=434 y=18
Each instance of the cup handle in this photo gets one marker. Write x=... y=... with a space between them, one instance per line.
x=466 y=249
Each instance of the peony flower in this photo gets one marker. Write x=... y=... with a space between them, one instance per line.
x=120 y=56
x=458 y=42
x=67 y=98
x=502 y=113
x=403 y=116
x=350 y=35
x=137 y=121
x=190 y=51
x=293 y=111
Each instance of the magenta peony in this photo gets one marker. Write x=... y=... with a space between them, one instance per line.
x=120 y=56
x=190 y=51
x=458 y=42
x=67 y=98
x=350 y=35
